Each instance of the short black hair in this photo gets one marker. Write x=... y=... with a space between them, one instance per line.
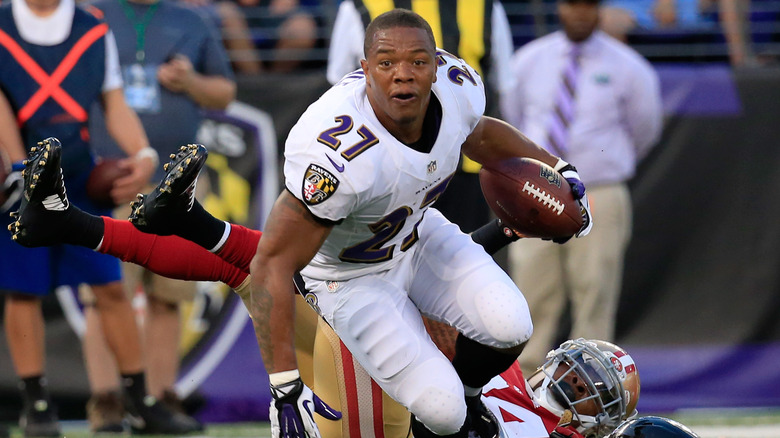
x=398 y=17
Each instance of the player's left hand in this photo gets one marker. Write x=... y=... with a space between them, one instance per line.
x=292 y=415
x=570 y=174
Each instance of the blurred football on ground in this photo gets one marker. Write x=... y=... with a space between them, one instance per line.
x=101 y=180
x=531 y=197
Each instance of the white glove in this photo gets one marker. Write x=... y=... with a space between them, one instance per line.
x=569 y=173
x=293 y=407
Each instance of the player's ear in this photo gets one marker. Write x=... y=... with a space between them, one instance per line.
x=364 y=66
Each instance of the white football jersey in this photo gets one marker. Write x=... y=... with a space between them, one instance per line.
x=346 y=167
x=511 y=400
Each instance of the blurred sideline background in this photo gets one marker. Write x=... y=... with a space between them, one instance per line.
x=702 y=281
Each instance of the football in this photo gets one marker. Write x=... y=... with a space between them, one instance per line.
x=531 y=197
x=101 y=180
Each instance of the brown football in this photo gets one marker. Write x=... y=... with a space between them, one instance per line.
x=531 y=197
x=101 y=180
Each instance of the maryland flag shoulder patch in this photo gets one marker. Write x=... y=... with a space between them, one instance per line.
x=318 y=185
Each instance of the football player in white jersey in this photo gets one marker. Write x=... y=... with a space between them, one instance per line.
x=363 y=166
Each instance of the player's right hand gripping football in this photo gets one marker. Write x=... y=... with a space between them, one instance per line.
x=570 y=174
x=292 y=411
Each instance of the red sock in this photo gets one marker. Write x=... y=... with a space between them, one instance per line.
x=169 y=256
x=240 y=246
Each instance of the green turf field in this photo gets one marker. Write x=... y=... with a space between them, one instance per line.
x=710 y=423
x=79 y=429
x=732 y=423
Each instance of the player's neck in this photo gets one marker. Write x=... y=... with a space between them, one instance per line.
x=405 y=132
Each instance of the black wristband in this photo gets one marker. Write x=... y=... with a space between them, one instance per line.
x=493 y=236
x=287 y=391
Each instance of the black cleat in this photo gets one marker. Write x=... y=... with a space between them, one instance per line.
x=180 y=406
x=39 y=419
x=152 y=417
x=162 y=211
x=44 y=204
x=482 y=422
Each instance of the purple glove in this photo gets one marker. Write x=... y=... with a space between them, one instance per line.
x=292 y=411
x=570 y=174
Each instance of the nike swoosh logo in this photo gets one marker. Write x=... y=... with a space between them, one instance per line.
x=338 y=167
x=306 y=404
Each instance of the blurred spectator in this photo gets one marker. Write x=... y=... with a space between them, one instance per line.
x=284 y=28
x=619 y=18
x=173 y=66
x=57 y=60
x=596 y=103
x=236 y=35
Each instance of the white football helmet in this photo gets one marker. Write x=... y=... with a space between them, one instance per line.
x=596 y=380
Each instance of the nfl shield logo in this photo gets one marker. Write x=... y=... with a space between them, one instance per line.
x=431 y=167
x=550 y=175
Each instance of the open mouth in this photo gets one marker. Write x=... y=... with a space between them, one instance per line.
x=403 y=97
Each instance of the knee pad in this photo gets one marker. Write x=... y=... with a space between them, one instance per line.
x=433 y=392
x=441 y=411
x=504 y=314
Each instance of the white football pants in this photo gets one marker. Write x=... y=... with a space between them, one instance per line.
x=445 y=276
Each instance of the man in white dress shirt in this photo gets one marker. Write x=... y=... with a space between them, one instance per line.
x=593 y=101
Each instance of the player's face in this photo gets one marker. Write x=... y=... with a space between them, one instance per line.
x=579 y=18
x=579 y=390
x=400 y=68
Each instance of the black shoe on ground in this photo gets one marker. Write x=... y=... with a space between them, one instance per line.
x=41 y=216
x=178 y=405
x=482 y=422
x=164 y=208
x=39 y=419
x=152 y=417
x=106 y=413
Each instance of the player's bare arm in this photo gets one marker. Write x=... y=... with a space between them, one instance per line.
x=494 y=140
x=290 y=240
